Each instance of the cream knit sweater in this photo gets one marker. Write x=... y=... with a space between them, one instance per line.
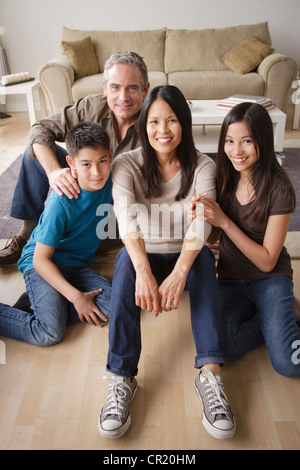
x=162 y=222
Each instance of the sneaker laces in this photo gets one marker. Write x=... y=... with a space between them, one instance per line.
x=116 y=403
x=215 y=396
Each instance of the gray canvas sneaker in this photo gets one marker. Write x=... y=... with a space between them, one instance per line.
x=115 y=417
x=217 y=417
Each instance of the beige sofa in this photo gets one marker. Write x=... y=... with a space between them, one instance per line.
x=204 y=64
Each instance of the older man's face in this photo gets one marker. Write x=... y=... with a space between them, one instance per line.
x=124 y=92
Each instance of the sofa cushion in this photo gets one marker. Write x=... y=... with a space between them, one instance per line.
x=150 y=44
x=81 y=56
x=91 y=85
x=192 y=50
x=247 y=55
x=214 y=85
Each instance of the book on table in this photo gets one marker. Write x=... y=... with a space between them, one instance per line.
x=251 y=98
x=233 y=100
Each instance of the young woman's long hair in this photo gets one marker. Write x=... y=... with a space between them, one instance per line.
x=260 y=126
x=185 y=152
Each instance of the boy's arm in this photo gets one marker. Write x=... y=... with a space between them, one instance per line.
x=83 y=301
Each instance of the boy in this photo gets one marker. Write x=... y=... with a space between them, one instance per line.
x=55 y=263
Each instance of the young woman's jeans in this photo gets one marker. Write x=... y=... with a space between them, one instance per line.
x=124 y=323
x=46 y=323
x=32 y=187
x=261 y=311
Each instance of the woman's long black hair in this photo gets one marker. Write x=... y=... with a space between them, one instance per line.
x=185 y=152
x=259 y=123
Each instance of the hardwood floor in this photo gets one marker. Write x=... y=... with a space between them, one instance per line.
x=51 y=397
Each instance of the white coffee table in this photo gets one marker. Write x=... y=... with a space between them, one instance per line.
x=28 y=89
x=207 y=120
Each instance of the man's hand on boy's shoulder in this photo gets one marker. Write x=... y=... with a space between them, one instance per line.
x=62 y=182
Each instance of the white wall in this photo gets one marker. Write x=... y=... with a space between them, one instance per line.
x=33 y=27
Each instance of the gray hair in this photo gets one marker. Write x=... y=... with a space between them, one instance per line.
x=129 y=58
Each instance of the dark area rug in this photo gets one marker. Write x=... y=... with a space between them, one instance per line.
x=291 y=163
x=8 y=181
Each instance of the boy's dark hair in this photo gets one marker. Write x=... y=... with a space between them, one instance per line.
x=86 y=135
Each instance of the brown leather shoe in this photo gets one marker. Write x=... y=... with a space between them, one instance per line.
x=12 y=251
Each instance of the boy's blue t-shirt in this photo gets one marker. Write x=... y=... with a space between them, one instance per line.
x=71 y=227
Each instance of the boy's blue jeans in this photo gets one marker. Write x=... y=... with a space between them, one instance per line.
x=259 y=311
x=124 y=323
x=51 y=311
x=32 y=187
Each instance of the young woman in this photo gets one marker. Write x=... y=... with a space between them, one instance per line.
x=255 y=203
x=151 y=189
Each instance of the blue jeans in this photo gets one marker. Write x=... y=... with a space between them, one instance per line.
x=32 y=187
x=124 y=323
x=51 y=311
x=261 y=311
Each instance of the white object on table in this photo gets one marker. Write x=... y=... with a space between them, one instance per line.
x=27 y=88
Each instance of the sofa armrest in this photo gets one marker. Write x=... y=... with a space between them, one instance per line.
x=278 y=72
x=56 y=78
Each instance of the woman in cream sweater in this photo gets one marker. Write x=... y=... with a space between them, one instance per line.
x=162 y=256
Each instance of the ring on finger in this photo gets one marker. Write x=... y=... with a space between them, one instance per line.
x=169 y=304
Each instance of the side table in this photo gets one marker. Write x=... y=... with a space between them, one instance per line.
x=207 y=119
x=28 y=89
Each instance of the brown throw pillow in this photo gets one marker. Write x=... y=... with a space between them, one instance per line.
x=247 y=55
x=81 y=56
